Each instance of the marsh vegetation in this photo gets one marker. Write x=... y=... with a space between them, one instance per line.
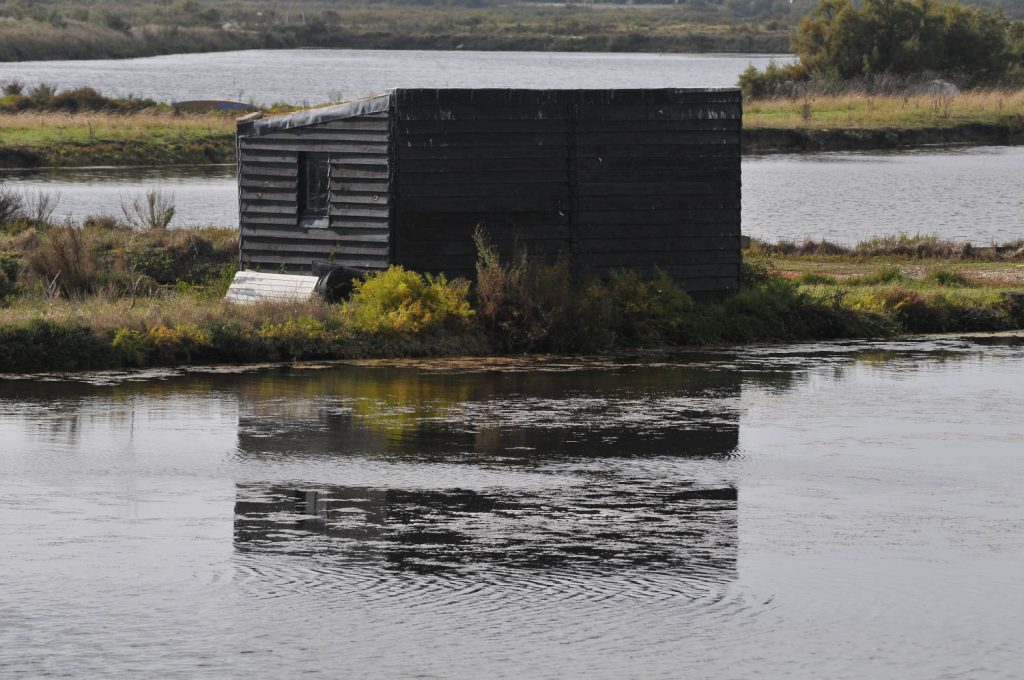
x=110 y=292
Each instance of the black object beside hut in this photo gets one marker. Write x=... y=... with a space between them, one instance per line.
x=609 y=178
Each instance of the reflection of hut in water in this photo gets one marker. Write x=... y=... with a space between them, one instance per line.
x=610 y=526
x=589 y=516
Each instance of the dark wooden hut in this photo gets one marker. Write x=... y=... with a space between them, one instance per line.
x=609 y=178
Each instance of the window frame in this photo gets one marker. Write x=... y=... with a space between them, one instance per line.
x=313 y=197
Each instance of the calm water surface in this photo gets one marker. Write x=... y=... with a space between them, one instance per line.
x=970 y=193
x=317 y=76
x=839 y=510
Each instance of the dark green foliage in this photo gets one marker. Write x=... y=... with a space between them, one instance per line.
x=944 y=277
x=841 y=41
x=883 y=276
x=44 y=97
x=645 y=312
x=815 y=279
x=773 y=81
x=10 y=267
x=43 y=345
x=526 y=307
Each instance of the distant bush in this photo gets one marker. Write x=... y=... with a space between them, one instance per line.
x=842 y=42
x=944 y=277
x=46 y=97
x=815 y=279
x=154 y=210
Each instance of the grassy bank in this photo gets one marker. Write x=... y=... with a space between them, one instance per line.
x=102 y=295
x=925 y=284
x=863 y=121
x=152 y=137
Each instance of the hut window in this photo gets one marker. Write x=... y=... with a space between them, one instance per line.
x=314 y=181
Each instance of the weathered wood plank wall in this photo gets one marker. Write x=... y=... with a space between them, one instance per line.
x=630 y=178
x=494 y=158
x=358 y=226
x=659 y=184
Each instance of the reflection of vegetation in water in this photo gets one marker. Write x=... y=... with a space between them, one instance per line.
x=408 y=411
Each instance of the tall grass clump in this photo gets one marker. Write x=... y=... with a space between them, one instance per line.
x=524 y=304
x=65 y=261
x=153 y=210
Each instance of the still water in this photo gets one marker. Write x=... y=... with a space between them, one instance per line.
x=970 y=193
x=317 y=76
x=835 y=510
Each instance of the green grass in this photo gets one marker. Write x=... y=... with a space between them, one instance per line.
x=863 y=111
x=145 y=138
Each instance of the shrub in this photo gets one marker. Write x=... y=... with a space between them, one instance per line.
x=65 y=260
x=774 y=81
x=44 y=345
x=80 y=99
x=42 y=93
x=756 y=273
x=131 y=347
x=10 y=268
x=154 y=210
x=915 y=313
x=524 y=304
x=816 y=279
x=883 y=276
x=647 y=311
x=400 y=301
x=944 y=277
x=299 y=338
x=12 y=205
x=182 y=344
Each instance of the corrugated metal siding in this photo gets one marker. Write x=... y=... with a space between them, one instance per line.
x=359 y=215
x=614 y=178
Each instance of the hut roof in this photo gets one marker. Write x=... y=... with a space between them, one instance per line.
x=378 y=103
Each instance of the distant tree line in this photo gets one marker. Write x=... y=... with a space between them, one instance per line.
x=841 y=42
x=77 y=29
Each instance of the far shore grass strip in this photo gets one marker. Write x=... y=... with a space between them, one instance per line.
x=160 y=136
x=39 y=130
x=863 y=111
